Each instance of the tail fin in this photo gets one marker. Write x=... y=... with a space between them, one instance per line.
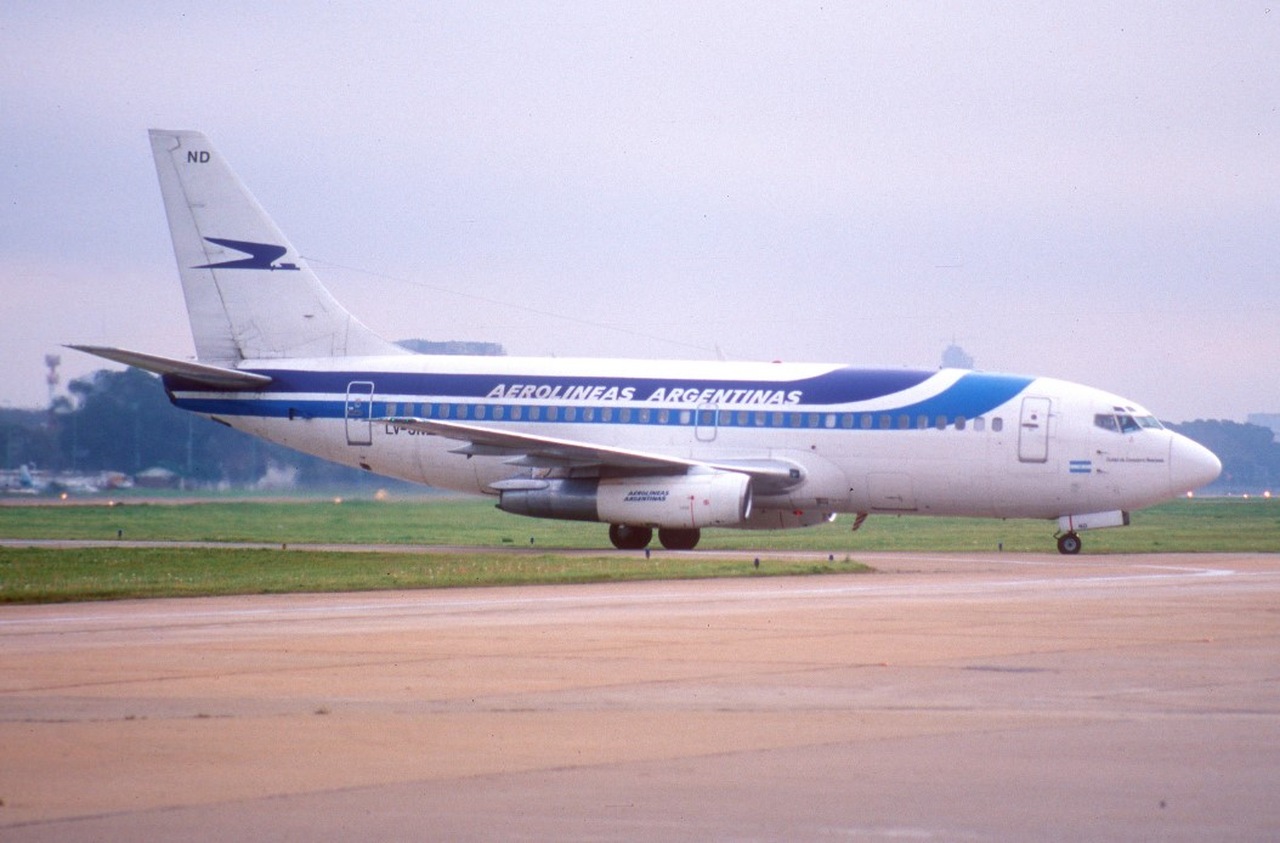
x=249 y=294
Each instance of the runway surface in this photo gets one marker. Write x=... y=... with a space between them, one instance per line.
x=948 y=697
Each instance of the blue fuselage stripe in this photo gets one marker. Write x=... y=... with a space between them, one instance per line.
x=841 y=386
x=445 y=396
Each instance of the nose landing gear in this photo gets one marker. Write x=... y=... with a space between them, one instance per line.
x=1069 y=544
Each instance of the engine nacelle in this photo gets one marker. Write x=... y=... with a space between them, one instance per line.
x=686 y=501
x=713 y=499
x=785 y=519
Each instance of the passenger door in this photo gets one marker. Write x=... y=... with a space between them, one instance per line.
x=1033 y=430
x=359 y=413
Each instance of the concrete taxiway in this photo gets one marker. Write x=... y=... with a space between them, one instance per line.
x=948 y=697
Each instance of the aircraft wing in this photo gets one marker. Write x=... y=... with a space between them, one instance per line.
x=203 y=373
x=550 y=452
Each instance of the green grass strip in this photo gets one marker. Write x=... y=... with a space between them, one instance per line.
x=44 y=575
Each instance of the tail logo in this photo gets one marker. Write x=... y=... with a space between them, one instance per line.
x=261 y=255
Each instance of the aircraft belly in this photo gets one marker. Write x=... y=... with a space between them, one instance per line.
x=929 y=472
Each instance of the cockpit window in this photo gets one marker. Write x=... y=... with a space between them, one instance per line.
x=1122 y=422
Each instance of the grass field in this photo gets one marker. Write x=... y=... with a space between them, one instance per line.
x=46 y=574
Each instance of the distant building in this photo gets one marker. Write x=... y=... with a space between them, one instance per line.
x=956 y=358
x=1271 y=420
x=466 y=347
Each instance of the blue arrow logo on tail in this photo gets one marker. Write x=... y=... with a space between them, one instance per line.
x=261 y=255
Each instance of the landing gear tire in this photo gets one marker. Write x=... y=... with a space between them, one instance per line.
x=673 y=539
x=626 y=537
x=1069 y=544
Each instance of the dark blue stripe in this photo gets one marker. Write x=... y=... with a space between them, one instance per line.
x=972 y=396
x=841 y=386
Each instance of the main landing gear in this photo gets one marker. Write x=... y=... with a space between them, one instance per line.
x=1069 y=544
x=627 y=537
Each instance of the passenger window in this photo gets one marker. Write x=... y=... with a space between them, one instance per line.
x=867 y=421
x=686 y=416
x=885 y=422
x=904 y=422
x=846 y=421
x=570 y=413
x=979 y=424
x=997 y=424
x=922 y=422
x=941 y=423
x=959 y=422
x=480 y=412
x=498 y=413
x=516 y=413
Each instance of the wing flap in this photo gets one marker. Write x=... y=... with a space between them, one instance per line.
x=527 y=449
x=533 y=449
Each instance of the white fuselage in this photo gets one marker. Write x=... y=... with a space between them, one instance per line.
x=950 y=442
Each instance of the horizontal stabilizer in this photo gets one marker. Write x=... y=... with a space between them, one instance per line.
x=203 y=373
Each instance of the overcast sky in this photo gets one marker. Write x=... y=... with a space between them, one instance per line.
x=1084 y=190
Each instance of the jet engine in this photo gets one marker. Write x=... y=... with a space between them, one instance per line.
x=678 y=501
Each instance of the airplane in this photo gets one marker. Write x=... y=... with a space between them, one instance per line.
x=640 y=445
x=22 y=482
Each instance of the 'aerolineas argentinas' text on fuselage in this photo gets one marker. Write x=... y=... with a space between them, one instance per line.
x=665 y=395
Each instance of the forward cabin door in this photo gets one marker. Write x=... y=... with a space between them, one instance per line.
x=1033 y=430
x=359 y=413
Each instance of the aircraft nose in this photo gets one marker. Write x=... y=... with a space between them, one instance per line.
x=1191 y=465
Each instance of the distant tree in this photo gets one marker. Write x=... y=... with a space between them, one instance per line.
x=1249 y=453
x=123 y=421
x=27 y=437
x=118 y=422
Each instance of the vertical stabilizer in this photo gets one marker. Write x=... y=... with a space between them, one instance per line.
x=249 y=294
